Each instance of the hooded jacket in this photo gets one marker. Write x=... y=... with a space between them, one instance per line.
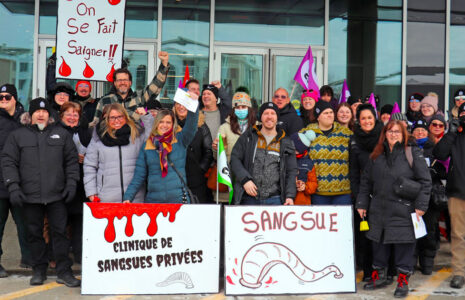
x=40 y=162
x=242 y=163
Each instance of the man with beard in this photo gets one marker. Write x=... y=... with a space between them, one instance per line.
x=453 y=145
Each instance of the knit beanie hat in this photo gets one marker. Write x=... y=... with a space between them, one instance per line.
x=38 y=103
x=416 y=96
x=459 y=93
x=241 y=98
x=265 y=106
x=386 y=109
x=311 y=93
x=211 y=88
x=420 y=124
x=430 y=100
x=320 y=107
x=83 y=82
x=153 y=104
x=302 y=140
x=10 y=89
x=399 y=117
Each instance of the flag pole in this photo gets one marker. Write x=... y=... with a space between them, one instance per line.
x=217 y=156
x=292 y=92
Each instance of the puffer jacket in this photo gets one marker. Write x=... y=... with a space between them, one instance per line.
x=242 y=163
x=168 y=189
x=389 y=216
x=289 y=121
x=109 y=170
x=41 y=163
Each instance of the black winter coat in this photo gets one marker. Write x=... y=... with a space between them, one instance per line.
x=40 y=163
x=453 y=145
x=242 y=158
x=389 y=216
x=289 y=121
x=7 y=125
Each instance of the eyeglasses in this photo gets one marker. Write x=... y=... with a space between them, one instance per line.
x=280 y=96
x=6 y=97
x=122 y=80
x=438 y=125
x=114 y=119
x=82 y=85
x=76 y=116
x=414 y=100
x=62 y=94
x=394 y=132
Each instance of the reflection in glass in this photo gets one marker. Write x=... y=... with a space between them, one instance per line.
x=285 y=68
x=243 y=70
x=17 y=32
x=457 y=42
x=186 y=37
x=270 y=21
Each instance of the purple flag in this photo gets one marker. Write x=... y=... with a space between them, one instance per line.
x=345 y=94
x=373 y=103
x=306 y=75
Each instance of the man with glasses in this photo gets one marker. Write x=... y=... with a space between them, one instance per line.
x=10 y=111
x=459 y=99
x=288 y=120
x=133 y=101
x=413 y=108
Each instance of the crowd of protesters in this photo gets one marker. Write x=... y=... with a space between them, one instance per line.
x=125 y=147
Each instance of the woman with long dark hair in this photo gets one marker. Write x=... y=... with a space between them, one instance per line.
x=308 y=99
x=393 y=167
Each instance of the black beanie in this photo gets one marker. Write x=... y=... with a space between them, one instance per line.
x=10 y=89
x=153 y=104
x=265 y=106
x=211 y=88
x=63 y=87
x=321 y=106
x=38 y=103
x=420 y=124
x=387 y=109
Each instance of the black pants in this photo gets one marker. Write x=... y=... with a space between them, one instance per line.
x=57 y=218
x=428 y=245
x=75 y=223
x=403 y=255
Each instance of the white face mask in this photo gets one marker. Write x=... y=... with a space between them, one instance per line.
x=41 y=126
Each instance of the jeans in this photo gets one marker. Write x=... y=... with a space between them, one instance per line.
x=331 y=200
x=275 y=200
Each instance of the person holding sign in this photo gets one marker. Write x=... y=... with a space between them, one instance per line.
x=162 y=159
x=264 y=164
x=132 y=101
x=395 y=183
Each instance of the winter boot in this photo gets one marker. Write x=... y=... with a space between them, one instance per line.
x=402 y=284
x=378 y=279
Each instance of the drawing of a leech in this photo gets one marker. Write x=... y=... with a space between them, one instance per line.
x=261 y=258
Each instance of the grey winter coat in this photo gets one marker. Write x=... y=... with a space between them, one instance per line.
x=109 y=170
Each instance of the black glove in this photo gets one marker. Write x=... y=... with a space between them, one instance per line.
x=17 y=198
x=454 y=125
x=68 y=193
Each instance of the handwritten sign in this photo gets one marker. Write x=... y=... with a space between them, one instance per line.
x=89 y=38
x=150 y=248
x=289 y=250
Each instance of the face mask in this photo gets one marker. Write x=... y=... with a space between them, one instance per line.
x=241 y=113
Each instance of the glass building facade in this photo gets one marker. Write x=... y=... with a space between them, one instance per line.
x=390 y=47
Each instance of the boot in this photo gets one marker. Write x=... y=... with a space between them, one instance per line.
x=3 y=272
x=402 y=285
x=38 y=277
x=378 y=279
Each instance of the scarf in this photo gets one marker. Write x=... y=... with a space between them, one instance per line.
x=163 y=143
x=122 y=135
x=421 y=142
x=368 y=140
x=243 y=124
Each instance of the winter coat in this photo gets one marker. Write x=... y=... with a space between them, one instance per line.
x=229 y=137
x=109 y=170
x=7 y=125
x=168 y=189
x=88 y=104
x=389 y=216
x=242 y=163
x=453 y=145
x=40 y=163
x=289 y=121
x=304 y=197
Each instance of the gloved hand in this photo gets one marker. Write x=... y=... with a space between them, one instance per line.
x=68 y=193
x=17 y=198
x=454 y=125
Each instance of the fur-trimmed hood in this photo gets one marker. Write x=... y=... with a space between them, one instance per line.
x=25 y=119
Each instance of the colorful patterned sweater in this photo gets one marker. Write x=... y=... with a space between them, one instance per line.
x=330 y=154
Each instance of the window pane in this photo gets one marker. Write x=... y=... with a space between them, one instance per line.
x=141 y=18
x=270 y=21
x=457 y=41
x=16 y=46
x=186 y=37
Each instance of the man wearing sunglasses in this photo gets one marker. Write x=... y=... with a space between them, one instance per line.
x=288 y=120
x=10 y=111
x=459 y=99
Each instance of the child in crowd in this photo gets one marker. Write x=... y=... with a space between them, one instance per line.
x=306 y=178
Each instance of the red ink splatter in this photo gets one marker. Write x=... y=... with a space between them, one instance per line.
x=228 y=278
x=88 y=72
x=234 y=271
x=267 y=286
x=270 y=280
x=118 y=210
x=114 y=2
x=110 y=74
x=235 y=261
x=64 y=69
x=275 y=281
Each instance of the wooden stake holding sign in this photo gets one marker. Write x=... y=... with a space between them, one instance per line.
x=89 y=39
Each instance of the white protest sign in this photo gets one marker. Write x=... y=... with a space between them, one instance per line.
x=183 y=97
x=289 y=250
x=150 y=248
x=89 y=38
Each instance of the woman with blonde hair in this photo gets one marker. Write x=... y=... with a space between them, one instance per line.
x=111 y=155
x=162 y=160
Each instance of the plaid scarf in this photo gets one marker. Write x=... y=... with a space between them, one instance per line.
x=163 y=143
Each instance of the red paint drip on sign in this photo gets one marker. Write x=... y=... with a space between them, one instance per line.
x=88 y=72
x=64 y=69
x=111 y=210
x=269 y=281
x=110 y=74
x=229 y=280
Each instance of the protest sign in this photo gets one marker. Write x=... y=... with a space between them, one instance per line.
x=182 y=97
x=150 y=248
x=289 y=250
x=89 y=39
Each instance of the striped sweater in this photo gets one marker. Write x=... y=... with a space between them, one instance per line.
x=330 y=154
